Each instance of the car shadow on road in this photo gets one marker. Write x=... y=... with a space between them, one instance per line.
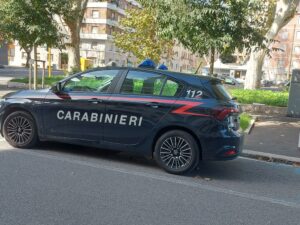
x=205 y=170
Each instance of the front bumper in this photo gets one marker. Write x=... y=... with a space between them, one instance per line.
x=224 y=147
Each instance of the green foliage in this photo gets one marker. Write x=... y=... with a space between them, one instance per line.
x=245 y=121
x=139 y=36
x=228 y=58
x=266 y=97
x=203 y=26
x=30 y=23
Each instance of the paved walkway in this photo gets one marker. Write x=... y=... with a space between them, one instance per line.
x=275 y=135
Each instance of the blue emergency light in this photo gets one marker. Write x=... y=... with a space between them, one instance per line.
x=148 y=63
x=163 y=67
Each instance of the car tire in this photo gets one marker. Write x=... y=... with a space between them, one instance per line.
x=177 y=152
x=19 y=130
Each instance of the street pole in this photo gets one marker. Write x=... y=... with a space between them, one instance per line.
x=35 y=69
x=49 y=63
x=291 y=54
x=30 y=77
x=43 y=75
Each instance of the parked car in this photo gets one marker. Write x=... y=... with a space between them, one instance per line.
x=179 y=119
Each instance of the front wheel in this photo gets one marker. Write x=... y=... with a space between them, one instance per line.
x=177 y=152
x=19 y=130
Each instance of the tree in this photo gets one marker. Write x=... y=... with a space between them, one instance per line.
x=29 y=22
x=228 y=58
x=72 y=13
x=206 y=27
x=139 y=36
x=282 y=11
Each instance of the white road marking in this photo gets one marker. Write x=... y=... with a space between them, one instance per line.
x=164 y=179
x=299 y=141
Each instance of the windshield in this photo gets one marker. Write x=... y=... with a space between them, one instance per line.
x=221 y=92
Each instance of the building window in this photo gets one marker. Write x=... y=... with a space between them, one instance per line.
x=298 y=34
x=24 y=55
x=284 y=35
x=297 y=49
x=295 y=64
x=94 y=30
x=281 y=63
x=94 y=45
x=95 y=14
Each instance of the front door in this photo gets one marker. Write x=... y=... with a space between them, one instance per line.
x=143 y=100
x=77 y=111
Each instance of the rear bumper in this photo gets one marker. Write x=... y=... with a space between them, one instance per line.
x=225 y=147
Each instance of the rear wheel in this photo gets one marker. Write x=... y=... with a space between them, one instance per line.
x=177 y=152
x=19 y=130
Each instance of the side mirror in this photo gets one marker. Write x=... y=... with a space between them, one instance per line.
x=57 y=87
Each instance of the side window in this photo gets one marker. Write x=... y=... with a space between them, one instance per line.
x=196 y=92
x=171 y=89
x=94 y=81
x=142 y=83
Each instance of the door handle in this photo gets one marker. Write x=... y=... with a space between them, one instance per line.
x=95 y=100
x=154 y=105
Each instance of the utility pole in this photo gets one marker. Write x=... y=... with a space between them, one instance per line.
x=292 y=52
x=49 y=63
x=35 y=69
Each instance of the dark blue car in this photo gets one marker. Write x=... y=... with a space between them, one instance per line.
x=180 y=119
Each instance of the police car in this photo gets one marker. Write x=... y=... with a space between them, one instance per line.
x=180 y=119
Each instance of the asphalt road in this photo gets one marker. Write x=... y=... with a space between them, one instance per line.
x=17 y=72
x=63 y=184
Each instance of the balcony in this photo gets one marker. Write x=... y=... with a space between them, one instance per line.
x=100 y=21
x=106 y=5
x=95 y=36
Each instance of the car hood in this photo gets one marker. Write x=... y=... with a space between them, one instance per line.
x=27 y=94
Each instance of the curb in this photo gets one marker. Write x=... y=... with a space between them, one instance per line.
x=262 y=156
x=252 y=123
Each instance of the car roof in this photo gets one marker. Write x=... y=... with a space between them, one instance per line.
x=191 y=79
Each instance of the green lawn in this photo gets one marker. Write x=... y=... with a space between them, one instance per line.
x=245 y=121
x=48 y=81
x=271 y=98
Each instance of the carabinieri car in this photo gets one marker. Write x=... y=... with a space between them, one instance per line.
x=180 y=119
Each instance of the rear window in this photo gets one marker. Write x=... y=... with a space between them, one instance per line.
x=220 y=92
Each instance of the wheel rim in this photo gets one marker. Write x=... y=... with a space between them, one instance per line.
x=19 y=130
x=176 y=153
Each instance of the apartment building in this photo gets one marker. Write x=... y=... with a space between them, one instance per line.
x=100 y=21
x=287 y=57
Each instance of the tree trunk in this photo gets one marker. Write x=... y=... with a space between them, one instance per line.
x=255 y=65
x=284 y=12
x=212 y=61
x=28 y=57
x=74 y=48
x=73 y=19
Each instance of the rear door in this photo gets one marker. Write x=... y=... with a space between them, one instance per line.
x=77 y=111
x=141 y=102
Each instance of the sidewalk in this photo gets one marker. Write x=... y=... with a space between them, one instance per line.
x=4 y=90
x=274 y=138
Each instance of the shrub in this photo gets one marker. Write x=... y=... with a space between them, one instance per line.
x=272 y=98
x=245 y=120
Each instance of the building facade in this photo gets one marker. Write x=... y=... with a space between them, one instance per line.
x=287 y=56
x=101 y=20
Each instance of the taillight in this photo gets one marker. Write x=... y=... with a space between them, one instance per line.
x=222 y=113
